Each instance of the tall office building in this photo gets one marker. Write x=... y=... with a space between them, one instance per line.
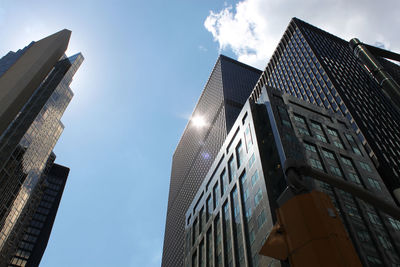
x=227 y=89
x=234 y=209
x=37 y=231
x=320 y=68
x=34 y=94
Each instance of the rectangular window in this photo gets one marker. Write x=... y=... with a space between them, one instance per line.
x=239 y=154
x=349 y=137
x=374 y=218
x=347 y=162
x=258 y=197
x=365 y=166
x=332 y=132
x=364 y=236
x=321 y=138
x=354 y=178
x=328 y=154
x=251 y=160
x=316 y=164
x=261 y=219
x=386 y=244
x=375 y=184
x=299 y=118
x=201 y=220
x=209 y=249
x=374 y=260
x=356 y=150
x=216 y=195
x=254 y=178
x=395 y=224
x=252 y=236
x=303 y=131
x=248 y=136
x=224 y=181
x=336 y=171
x=338 y=144
x=316 y=125
x=286 y=123
x=231 y=168
x=209 y=207
x=310 y=147
x=194 y=231
x=352 y=211
x=201 y=253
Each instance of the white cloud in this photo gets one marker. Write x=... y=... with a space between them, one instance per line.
x=253 y=28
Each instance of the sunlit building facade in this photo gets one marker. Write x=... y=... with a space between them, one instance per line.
x=320 y=68
x=36 y=84
x=233 y=211
x=225 y=92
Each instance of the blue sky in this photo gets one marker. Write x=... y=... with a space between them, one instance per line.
x=146 y=63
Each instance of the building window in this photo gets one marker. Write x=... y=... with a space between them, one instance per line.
x=328 y=154
x=224 y=181
x=338 y=144
x=333 y=132
x=321 y=138
x=248 y=136
x=374 y=218
x=347 y=161
x=386 y=244
x=252 y=236
x=216 y=195
x=261 y=219
x=286 y=123
x=303 y=131
x=349 y=137
x=239 y=154
x=258 y=197
x=316 y=164
x=310 y=147
x=251 y=160
x=352 y=211
x=299 y=119
x=201 y=253
x=254 y=178
x=395 y=224
x=365 y=166
x=194 y=231
x=209 y=248
x=374 y=260
x=209 y=207
x=354 y=178
x=336 y=171
x=374 y=183
x=316 y=125
x=232 y=169
x=356 y=150
x=364 y=236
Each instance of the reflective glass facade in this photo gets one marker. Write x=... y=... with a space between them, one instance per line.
x=228 y=87
x=25 y=152
x=271 y=129
x=36 y=233
x=320 y=68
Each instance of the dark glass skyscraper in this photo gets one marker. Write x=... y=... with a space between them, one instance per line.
x=320 y=68
x=34 y=94
x=234 y=209
x=227 y=89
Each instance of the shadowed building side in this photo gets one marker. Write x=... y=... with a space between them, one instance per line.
x=228 y=87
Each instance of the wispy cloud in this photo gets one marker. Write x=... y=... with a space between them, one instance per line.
x=202 y=48
x=253 y=28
